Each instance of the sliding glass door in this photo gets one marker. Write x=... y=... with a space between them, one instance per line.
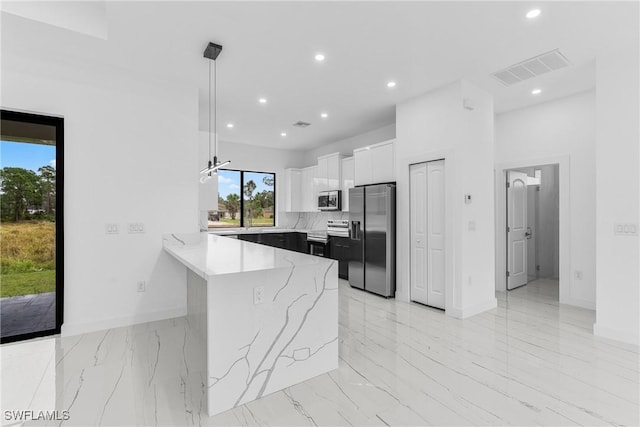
x=31 y=226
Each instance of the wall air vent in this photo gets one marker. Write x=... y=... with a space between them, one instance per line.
x=301 y=124
x=532 y=67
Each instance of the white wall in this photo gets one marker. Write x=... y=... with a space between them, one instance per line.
x=617 y=194
x=435 y=126
x=131 y=149
x=346 y=146
x=561 y=131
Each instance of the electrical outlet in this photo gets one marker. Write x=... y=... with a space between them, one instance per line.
x=258 y=295
x=578 y=275
x=142 y=286
x=625 y=229
x=136 y=228
x=111 y=228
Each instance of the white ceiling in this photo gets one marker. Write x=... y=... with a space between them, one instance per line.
x=269 y=50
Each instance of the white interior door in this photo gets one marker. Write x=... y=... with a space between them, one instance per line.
x=427 y=233
x=418 y=231
x=516 y=229
x=435 y=234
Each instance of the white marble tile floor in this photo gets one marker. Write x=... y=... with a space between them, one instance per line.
x=528 y=362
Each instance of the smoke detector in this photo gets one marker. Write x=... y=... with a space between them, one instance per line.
x=532 y=67
x=301 y=124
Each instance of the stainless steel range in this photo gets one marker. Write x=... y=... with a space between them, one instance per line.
x=338 y=227
x=317 y=242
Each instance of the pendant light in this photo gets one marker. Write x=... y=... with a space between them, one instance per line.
x=211 y=52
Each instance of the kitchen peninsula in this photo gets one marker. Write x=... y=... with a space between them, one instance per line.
x=268 y=316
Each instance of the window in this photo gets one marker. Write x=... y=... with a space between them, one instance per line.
x=31 y=225
x=245 y=199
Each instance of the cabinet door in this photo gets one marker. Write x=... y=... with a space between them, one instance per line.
x=362 y=168
x=313 y=189
x=348 y=182
x=321 y=174
x=308 y=190
x=382 y=163
x=334 y=166
x=293 y=190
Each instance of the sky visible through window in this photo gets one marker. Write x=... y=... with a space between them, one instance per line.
x=229 y=182
x=26 y=155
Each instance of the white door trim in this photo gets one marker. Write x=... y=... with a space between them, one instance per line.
x=453 y=302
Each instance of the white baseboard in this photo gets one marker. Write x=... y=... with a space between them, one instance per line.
x=591 y=305
x=466 y=312
x=70 y=329
x=631 y=336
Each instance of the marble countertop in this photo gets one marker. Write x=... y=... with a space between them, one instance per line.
x=211 y=255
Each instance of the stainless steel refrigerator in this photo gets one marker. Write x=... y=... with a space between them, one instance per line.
x=372 y=238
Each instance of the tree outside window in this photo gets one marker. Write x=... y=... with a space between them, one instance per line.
x=245 y=199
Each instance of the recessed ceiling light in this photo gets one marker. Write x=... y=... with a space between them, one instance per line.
x=229 y=125
x=319 y=57
x=536 y=91
x=533 y=13
x=283 y=134
x=262 y=100
x=324 y=115
x=391 y=84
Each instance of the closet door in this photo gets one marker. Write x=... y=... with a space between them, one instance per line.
x=435 y=234
x=418 y=231
x=427 y=233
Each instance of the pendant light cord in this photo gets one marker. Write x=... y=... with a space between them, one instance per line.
x=215 y=109
x=209 y=110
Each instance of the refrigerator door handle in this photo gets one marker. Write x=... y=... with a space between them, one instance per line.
x=354 y=233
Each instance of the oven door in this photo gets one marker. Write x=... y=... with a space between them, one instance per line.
x=317 y=248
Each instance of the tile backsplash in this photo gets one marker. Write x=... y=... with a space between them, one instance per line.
x=308 y=220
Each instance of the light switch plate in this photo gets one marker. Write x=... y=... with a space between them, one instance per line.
x=136 y=228
x=111 y=228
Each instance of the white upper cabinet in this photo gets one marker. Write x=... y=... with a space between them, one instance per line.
x=293 y=190
x=348 y=174
x=309 y=189
x=321 y=178
x=362 y=166
x=375 y=164
x=329 y=172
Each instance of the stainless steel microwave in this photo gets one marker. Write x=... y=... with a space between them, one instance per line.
x=330 y=200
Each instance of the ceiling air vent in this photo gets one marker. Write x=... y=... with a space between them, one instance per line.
x=532 y=67
x=301 y=124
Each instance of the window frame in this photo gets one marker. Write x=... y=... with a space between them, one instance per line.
x=58 y=123
x=241 y=210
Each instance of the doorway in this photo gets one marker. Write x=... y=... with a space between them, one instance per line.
x=31 y=225
x=532 y=232
x=427 y=231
